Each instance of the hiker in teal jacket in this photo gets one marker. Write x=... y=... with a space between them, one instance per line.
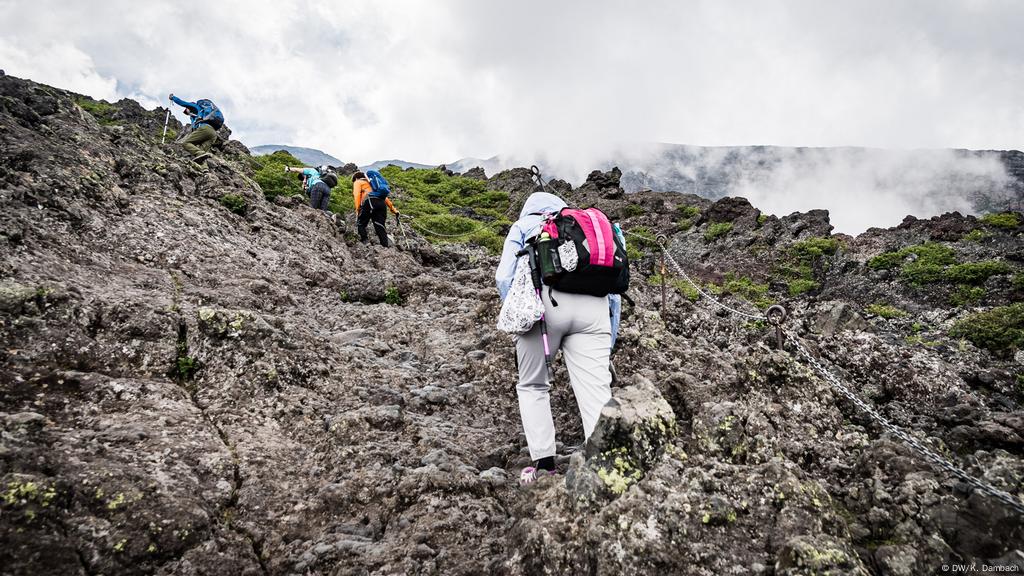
x=206 y=120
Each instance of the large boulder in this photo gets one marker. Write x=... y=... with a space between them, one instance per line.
x=634 y=428
x=606 y=184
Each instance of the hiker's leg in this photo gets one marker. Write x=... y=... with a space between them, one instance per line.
x=533 y=389
x=325 y=197
x=586 y=350
x=363 y=220
x=380 y=217
x=319 y=196
x=199 y=140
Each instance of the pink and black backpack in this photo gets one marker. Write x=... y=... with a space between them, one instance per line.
x=581 y=253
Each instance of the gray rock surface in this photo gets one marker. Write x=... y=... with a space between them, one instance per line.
x=185 y=390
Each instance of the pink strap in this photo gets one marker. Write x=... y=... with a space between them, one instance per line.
x=550 y=228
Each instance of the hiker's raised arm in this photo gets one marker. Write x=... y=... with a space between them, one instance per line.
x=184 y=103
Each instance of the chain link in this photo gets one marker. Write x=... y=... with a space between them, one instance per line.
x=925 y=452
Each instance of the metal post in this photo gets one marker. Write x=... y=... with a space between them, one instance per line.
x=664 y=281
x=776 y=314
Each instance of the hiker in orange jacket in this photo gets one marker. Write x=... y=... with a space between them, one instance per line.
x=370 y=208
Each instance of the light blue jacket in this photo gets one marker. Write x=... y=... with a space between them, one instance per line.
x=312 y=177
x=528 y=226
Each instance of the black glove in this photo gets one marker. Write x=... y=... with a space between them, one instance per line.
x=398 y=220
x=170 y=96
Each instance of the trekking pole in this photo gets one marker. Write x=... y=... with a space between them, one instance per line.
x=166 y=120
x=544 y=337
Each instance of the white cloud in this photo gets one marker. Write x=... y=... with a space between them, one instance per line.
x=565 y=81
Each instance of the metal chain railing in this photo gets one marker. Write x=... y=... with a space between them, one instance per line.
x=774 y=316
x=682 y=273
x=424 y=230
x=925 y=452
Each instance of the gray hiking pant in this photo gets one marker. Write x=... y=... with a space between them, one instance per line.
x=580 y=326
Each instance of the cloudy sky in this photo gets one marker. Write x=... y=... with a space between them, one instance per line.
x=436 y=81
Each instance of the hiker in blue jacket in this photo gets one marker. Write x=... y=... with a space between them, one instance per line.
x=206 y=120
x=317 y=184
x=583 y=326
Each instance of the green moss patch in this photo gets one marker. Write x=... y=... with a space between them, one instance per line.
x=976 y=235
x=931 y=263
x=103 y=111
x=1000 y=330
x=753 y=292
x=975 y=273
x=687 y=211
x=801 y=261
x=234 y=203
x=717 y=230
x=1008 y=220
x=393 y=296
x=633 y=210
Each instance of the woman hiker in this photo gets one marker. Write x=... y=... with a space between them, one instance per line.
x=580 y=324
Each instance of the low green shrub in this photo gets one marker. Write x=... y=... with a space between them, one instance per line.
x=999 y=330
x=802 y=286
x=234 y=203
x=755 y=293
x=717 y=230
x=633 y=210
x=976 y=235
x=393 y=296
x=920 y=264
x=814 y=248
x=802 y=258
x=886 y=261
x=975 y=272
x=1002 y=220
x=688 y=212
x=684 y=287
x=643 y=238
x=187 y=367
x=966 y=294
x=101 y=110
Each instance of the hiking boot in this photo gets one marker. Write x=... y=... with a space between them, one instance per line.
x=201 y=158
x=529 y=475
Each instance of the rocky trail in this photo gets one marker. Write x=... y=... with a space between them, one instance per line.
x=190 y=389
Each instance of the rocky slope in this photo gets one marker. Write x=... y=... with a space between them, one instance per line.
x=198 y=381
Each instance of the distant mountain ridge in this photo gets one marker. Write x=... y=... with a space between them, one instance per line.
x=308 y=156
x=400 y=163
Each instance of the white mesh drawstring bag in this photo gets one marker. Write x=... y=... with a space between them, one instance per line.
x=522 y=306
